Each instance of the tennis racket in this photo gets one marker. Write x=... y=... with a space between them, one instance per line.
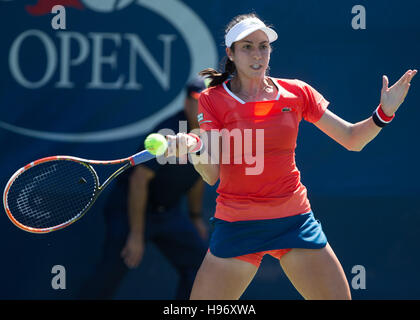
x=52 y=193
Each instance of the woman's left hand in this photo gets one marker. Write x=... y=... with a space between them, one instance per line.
x=392 y=98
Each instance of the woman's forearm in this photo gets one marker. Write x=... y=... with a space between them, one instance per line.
x=209 y=172
x=352 y=136
x=207 y=143
x=362 y=133
x=207 y=163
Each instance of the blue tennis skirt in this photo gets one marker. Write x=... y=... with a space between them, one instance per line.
x=233 y=239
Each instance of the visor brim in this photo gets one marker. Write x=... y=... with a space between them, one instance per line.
x=271 y=34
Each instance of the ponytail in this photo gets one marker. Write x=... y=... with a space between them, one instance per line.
x=216 y=77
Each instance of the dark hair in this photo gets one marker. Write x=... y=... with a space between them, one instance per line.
x=215 y=76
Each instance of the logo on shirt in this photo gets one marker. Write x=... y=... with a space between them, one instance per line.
x=200 y=118
x=286 y=109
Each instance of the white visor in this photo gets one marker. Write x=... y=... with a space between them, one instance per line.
x=245 y=28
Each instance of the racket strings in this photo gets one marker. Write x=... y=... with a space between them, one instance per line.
x=51 y=193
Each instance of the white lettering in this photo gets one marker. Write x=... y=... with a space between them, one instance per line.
x=59 y=280
x=359 y=20
x=66 y=61
x=102 y=64
x=59 y=21
x=98 y=59
x=14 y=59
x=258 y=159
x=137 y=46
x=359 y=280
x=180 y=310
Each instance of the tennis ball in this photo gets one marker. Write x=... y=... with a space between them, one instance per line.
x=156 y=144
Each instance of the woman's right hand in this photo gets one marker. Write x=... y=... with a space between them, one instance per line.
x=180 y=144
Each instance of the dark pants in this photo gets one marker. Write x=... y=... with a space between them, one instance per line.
x=173 y=234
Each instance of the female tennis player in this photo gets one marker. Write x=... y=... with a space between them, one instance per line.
x=268 y=212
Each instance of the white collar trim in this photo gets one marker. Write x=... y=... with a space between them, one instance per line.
x=234 y=96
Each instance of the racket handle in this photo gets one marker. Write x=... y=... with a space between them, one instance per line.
x=141 y=157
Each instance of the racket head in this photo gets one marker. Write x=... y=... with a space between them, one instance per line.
x=50 y=194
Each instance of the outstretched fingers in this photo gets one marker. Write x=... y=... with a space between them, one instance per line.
x=411 y=75
x=385 y=83
x=392 y=97
x=402 y=84
x=406 y=78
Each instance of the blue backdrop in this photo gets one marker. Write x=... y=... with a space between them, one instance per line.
x=95 y=88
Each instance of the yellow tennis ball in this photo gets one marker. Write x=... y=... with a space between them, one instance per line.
x=156 y=144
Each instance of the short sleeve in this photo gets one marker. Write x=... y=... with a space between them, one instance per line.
x=314 y=105
x=206 y=114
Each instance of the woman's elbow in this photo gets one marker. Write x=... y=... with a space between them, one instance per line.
x=209 y=172
x=211 y=181
x=354 y=143
x=356 y=147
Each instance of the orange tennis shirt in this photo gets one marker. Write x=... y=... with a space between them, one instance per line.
x=258 y=174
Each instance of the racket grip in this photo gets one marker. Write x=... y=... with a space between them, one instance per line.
x=141 y=157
